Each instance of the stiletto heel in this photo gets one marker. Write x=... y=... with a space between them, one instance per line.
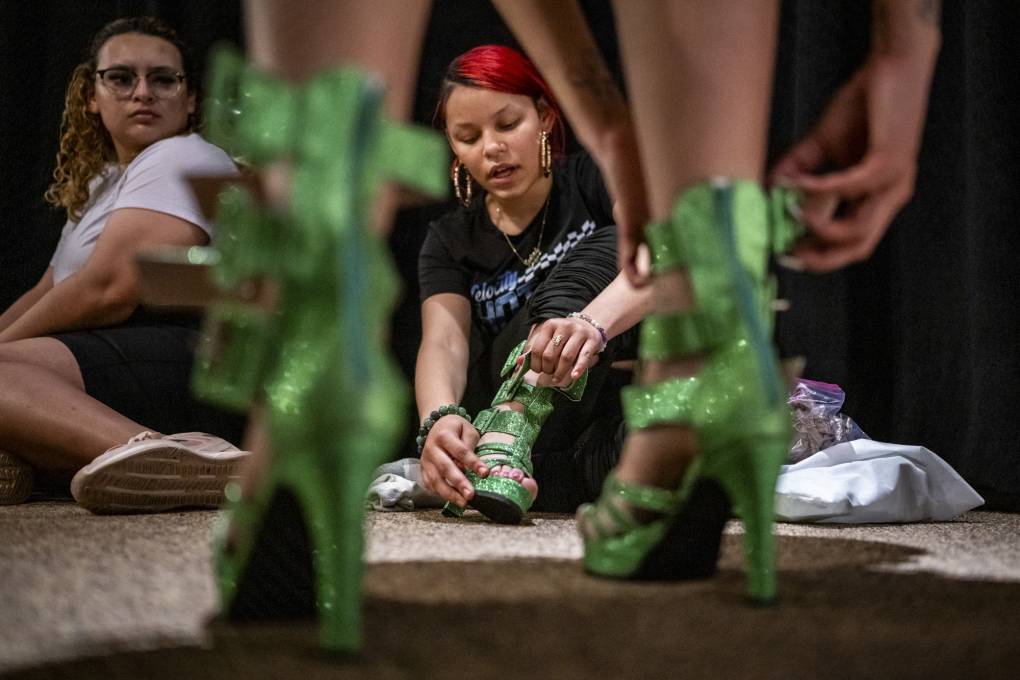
x=752 y=490
x=720 y=233
x=293 y=548
x=757 y=509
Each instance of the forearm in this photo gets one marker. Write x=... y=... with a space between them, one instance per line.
x=440 y=376
x=898 y=72
x=620 y=306
x=907 y=30
x=75 y=303
x=556 y=37
x=20 y=306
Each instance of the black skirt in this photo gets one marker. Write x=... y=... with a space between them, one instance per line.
x=142 y=369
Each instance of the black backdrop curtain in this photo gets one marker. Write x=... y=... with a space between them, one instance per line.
x=923 y=337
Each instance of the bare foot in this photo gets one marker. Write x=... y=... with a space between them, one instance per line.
x=510 y=472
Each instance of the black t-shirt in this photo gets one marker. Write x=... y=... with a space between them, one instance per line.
x=464 y=252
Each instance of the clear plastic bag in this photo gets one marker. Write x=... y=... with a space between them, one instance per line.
x=817 y=421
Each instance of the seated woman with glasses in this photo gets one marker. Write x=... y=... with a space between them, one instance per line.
x=84 y=368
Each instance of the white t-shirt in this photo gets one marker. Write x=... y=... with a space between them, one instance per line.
x=154 y=180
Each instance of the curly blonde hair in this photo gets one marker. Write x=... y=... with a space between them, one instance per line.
x=86 y=147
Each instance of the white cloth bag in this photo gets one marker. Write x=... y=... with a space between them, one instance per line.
x=865 y=481
x=397 y=486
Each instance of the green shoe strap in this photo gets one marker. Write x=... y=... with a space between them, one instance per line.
x=667 y=336
x=669 y=402
x=494 y=454
x=641 y=497
x=525 y=427
x=715 y=219
x=512 y=388
x=613 y=514
x=249 y=113
x=528 y=396
x=248 y=239
x=691 y=237
x=673 y=246
x=511 y=361
x=666 y=247
x=262 y=119
x=405 y=150
x=576 y=389
x=711 y=223
x=229 y=372
x=515 y=389
x=506 y=421
x=726 y=400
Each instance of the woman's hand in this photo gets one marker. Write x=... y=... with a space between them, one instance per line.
x=871 y=130
x=449 y=450
x=562 y=349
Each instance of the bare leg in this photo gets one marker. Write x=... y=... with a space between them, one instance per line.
x=46 y=418
x=700 y=80
x=328 y=33
x=383 y=37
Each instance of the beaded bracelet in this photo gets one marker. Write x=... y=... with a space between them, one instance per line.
x=602 y=331
x=444 y=410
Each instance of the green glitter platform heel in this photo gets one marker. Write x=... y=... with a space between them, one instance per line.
x=721 y=234
x=502 y=499
x=292 y=550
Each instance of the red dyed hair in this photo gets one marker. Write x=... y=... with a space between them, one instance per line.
x=501 y=69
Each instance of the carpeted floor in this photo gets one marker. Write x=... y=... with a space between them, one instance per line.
x=128 y=597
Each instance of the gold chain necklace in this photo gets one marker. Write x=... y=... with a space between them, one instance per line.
x=536 y=252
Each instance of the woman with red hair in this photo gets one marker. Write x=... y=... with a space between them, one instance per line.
x=520 y=298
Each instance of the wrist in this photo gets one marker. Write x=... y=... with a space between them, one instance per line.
x=594 y=324
x=918 y=54
x=434 y=417
x=615 y=140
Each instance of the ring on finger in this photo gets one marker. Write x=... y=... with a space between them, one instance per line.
x=557 y=340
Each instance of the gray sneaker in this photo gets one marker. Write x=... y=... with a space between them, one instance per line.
x=15 y=479
x=154 y=473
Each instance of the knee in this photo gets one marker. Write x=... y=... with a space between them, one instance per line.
x=15 y=381
x=17 y=351
x=27 y=357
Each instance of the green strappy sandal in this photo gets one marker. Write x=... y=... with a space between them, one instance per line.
x=502 y=499
x=316 y=363
x=720 y=233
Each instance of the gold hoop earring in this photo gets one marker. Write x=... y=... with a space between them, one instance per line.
x=463 y=196
x=544 y=153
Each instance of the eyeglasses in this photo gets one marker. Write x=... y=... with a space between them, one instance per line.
x=121 y=82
